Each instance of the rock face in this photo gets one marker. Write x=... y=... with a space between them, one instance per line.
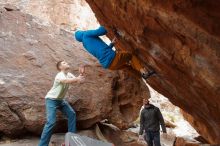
x=28 y=53
x=181 y=41
x=75 y=13
x=183 y=142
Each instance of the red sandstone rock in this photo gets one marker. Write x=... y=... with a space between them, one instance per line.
x=121 y=138
x=180 y=39
x=28 y=53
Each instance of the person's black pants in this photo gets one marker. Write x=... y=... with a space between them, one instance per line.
x=152 y=137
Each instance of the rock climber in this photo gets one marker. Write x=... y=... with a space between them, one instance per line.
x=108 y=58
x=55 y=99
x=150 y=121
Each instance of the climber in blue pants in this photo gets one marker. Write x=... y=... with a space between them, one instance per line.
x=108 y=58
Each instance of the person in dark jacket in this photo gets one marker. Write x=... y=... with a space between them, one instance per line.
x=150 y=121
x=108 y=58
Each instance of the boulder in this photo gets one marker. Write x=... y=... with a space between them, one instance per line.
x=182 y=142
x=68 y=14
x=29 y=50
x=120 y=137
x=180 y=40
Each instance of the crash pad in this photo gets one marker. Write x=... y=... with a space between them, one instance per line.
x=72 y=139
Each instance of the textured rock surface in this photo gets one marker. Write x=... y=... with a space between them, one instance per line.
x=28 y=53
x=182 y=142
x=180 y=40
x=68 y=14
x=120 y=138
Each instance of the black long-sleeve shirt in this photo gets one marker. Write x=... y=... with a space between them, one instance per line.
x=151 y=119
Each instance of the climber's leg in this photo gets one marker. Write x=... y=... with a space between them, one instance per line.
x=121 y=60
x=136 y=64
x=124 y=59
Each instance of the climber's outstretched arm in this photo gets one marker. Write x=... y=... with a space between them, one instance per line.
x=97 y=32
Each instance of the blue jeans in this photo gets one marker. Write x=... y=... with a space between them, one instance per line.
x=152 y=137
x=51 y=108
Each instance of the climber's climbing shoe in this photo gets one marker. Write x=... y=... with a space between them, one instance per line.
x=149 y=74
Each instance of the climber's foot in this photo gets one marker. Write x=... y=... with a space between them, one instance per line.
x=149 y=74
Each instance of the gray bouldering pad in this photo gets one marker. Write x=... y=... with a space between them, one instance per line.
x=72 y=139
